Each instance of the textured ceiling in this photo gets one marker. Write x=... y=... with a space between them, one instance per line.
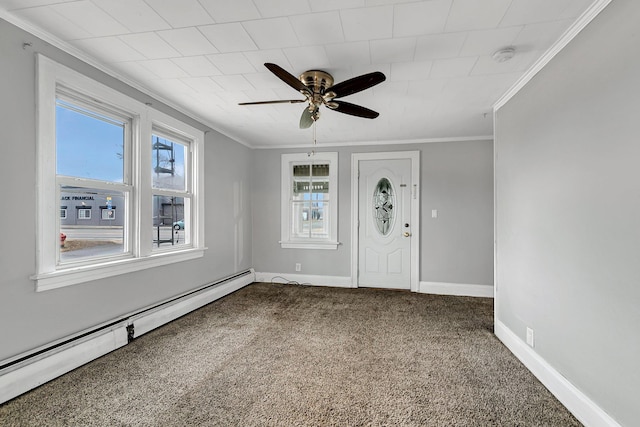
x=206 y=56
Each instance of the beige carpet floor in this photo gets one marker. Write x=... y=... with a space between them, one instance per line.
x=286 y=355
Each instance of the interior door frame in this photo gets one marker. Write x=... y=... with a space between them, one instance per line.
x=414 y=156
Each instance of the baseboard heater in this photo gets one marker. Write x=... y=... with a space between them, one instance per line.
x=29 y=370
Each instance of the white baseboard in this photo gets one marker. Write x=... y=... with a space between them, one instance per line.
x=305 y=279
x=583 y=408
x=47 y=366
x=32 y=371
x=457 y=289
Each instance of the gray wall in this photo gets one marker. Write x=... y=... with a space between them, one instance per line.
x=31 y=319
x=568 y=210
x=456 y=179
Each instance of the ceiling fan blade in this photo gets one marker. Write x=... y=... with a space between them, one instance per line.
x=284 y=101
x=353 y=109
x=287 y=77
x=357 y=84
x=306 y=120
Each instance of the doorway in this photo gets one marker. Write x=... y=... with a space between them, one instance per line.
x=385 y=220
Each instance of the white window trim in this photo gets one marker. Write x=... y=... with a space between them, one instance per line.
x=48 y=274
x=287 y=242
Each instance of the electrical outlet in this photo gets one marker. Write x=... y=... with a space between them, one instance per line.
x=298 y=266
x=530 y=339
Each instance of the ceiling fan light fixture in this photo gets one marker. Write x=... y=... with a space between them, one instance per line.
x=504 y=54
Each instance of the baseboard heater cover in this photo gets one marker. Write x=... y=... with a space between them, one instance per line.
x=29 y=371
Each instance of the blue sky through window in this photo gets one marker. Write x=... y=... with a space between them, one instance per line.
x=88 y=145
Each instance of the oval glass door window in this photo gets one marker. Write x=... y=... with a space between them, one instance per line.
x=383 y=206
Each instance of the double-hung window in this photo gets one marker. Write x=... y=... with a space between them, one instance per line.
x=309 y=201
x=116 y=178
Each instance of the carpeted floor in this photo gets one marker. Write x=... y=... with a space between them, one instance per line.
x=286 y=355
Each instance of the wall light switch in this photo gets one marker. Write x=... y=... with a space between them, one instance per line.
x=434 y=213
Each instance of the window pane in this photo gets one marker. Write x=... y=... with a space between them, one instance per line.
x=320 y=170
x=319 y=220
x=86 y=233
x=301 y=219
x=168 y=164
x=301 y=170
x=169 y=221
x=88 y=144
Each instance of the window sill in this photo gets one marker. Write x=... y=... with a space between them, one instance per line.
x=309 y=245
x=81 y=274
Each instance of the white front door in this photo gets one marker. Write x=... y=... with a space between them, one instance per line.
x=385 y=228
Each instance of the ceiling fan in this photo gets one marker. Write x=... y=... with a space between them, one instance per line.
x=318 y=89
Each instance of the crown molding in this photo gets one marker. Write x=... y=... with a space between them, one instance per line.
x=379 y=142
x=584 y=20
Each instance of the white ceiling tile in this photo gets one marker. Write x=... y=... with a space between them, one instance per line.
x=230 y=37
x=202 y=84
x=272 y=33
x=188 y=41
x=183 y=13
x=383 y=2
x=273 y=8
x=150 y=45
x=197 y=66
x=575 y=8
x=232 y=63
x=258 y=58
x=53 y=22
x=540 y=36
x=263 y=94
x=389 y=89
x=439 y=46
x=368 y=23
x=318 y=28
x=469 y=15
x=233 y=82
x=325 y=5
x=393 y=50
x=431 y=88
x=520 y=62
x=134 y=71
x=265 y=80
x=414 y=19
x=357 y=70
x=109 y=49
x=173 y=88
x=453 y=67
x=485 y=42
x=231 y=11
x=23 y=4
x=410 y=70
x=524 y=12
x=307 y=58
x=91 y=18
x=136 y=15
x=164 y=68
x=347 y=54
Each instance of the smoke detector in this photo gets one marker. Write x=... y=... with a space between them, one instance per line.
x=504 y=54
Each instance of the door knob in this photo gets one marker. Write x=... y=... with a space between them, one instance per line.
x=406 y=234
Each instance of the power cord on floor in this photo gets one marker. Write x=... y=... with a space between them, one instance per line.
x=288 y=282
